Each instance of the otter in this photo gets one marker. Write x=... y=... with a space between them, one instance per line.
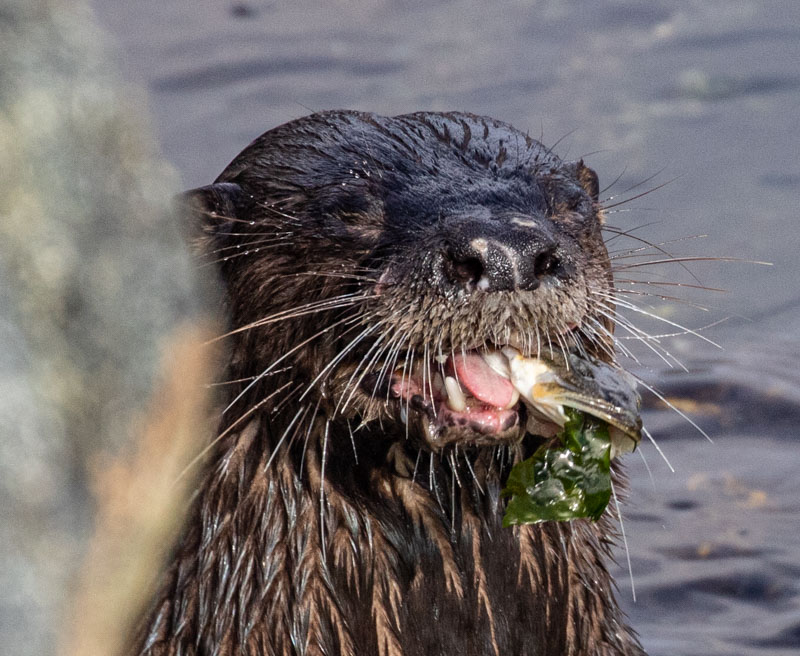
x=351 y=504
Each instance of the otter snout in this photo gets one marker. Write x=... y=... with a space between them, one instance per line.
x=493 y=256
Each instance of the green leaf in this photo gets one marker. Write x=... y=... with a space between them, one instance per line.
x=560 y=484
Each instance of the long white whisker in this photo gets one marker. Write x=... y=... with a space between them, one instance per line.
x=669 y=403
x=308 y=434
x=416 y=465
x=658 y=448
x=432 y=482
x=344 y=300
x=599 y=330
x=352 y=440
x=682 y=333
x=647 y=467
x=277 y=446
x=678 y=260
x=274 y=239
x=453 y=479
x=662 y=297
x=339 y=356
x=384 y=354
x=322 y=491
x=363 y=364
x=216 y=440
x=642 y=336
x=624 y=539
x=472 y=471
x=391 y=362
x=294 y=349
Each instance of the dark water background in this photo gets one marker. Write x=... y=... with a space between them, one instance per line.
x=705 y=91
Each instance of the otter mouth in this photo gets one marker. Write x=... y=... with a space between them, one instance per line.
x=468 y=398
x=460 y=397
x=498 y=396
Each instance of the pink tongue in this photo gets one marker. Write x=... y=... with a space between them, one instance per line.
x=482 y=381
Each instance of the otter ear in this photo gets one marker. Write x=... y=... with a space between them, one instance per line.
x=208 y=211
x=588 y=180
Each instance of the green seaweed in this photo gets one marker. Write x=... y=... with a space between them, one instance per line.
x=560 y=484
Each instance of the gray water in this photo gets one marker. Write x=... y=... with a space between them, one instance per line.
x=703 y=95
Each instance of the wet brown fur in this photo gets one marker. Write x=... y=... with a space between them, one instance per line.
x=322 y=524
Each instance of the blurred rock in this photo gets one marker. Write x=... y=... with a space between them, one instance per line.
x=94 y=281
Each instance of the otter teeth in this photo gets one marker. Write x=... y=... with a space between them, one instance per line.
x=498 y=362
x=456 y=400
x=514 y=399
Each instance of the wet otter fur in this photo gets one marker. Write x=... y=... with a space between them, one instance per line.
x=343 y=508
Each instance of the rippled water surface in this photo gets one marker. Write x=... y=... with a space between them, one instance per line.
x=701 y=95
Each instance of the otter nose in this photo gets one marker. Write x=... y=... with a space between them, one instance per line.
x=502 y=263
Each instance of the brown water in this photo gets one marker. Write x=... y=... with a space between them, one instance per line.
x=705 y=91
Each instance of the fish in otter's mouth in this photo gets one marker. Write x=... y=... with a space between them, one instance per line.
x=500 y=394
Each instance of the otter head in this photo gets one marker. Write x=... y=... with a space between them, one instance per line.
x=371 y=263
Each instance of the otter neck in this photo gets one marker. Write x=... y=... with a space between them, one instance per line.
x=306 y=562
